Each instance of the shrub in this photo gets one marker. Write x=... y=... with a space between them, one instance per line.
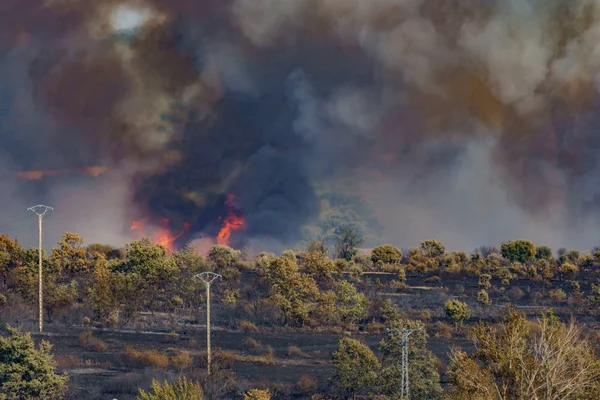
x=145 y=358
x=248 y=327
x=505 y=282
x=386 y=254
x=182 y=361
x=558 y=295
x=257 y=394
x=86 y=321
x=436 y=280
x=306 y=385
x=568 y=269
x=171 y=337
x=91 y=343
x=3 y=300
x=252 y=344
x=483 y=298
x=426 y=315
x=515 y=293
x=269 y=354
x=444 y=331
x=485 y=281
x=181 y=389
x=457 y=310
x=295 y=351
x=543 y=253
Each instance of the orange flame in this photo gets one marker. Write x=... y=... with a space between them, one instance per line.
x=233 y=221
x=163 y=235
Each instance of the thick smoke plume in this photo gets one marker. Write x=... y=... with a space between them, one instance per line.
x=470 y=121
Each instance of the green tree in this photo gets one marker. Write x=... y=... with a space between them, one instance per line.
x=59 y=297
x=457 y=310
x=27 y=373
x=433 y=248
x=351 y=304
x=102 y=291
x=70 y=256
x=518 y=250
x=316 y=246
x=223 y=256
x=318 y=265
x=347 y=242
x=386 y=254
x=422 y=371
x=543 y=253
x=355 y=366
x=181 y=389
x=512 y=362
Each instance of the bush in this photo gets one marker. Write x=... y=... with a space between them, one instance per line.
x=248 y=327
x=457 y=310
x=252 y=344
x=256 y=394
x=433 y=248
x=86 y=321
x=145 y=358
x=483 y=298
x=436 y=280
x=515 y=293
x=181 y=389
x=182 y=361
x=485 y=281
x=518 y=250
x=568 y=269
x=91 y=343
x=558 y=295
x=295 y=351
x=306 y=385
x=444 y=331
x=386 y=254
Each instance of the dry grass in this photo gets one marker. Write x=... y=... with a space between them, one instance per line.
x=252 y=344
x=182 y=361
x=295 y=351
x=91 y=343
x=248 y=327
x=307 y=385
x=70 y=361
x=444 y=330
x=146 y=358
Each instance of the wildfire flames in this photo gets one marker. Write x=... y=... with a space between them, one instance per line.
x=39 y=174
x=233 y=221
x=163 y=236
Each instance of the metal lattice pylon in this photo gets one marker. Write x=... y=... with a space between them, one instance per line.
x=403 y=341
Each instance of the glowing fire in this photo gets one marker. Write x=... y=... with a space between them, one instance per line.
x=163 y=236
x=233 y=221
x=39 y=174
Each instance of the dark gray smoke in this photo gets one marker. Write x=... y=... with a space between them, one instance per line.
x=469 y=121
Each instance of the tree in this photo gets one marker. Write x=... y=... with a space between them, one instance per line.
x=511 y=362
x=518 y=251
x=181 y=389
x=318 y=265
x=422 y=368
x=59 y=297
x=457 y=310
x=70 y=256
x=27 y=373
x=433 y=248
x=347 y=241
x=543 y=253
x=355 y=367
x=223 y=256
x=103 y=289
x=386 y=254
x=351 y=305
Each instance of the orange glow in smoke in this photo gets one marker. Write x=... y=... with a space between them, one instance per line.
x=39 y=174
x=163 y=236
x=233 y=221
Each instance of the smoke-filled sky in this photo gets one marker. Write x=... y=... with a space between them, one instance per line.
x=469 y=121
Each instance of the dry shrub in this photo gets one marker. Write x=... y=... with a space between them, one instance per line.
x=558 y=295
x=269 y=354
x=444 y=330
x=375 y=327
x=91 y=343
x=307 y=385
x=182 y=361
x=248 y=327
x=252 y=344
x=435 y=280
x=146 y=358
x=295 y=351
x=257 y=394
x=171 y=337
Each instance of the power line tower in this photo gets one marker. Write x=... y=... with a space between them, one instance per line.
x=208 y=278
x=40 y=211
x=403 y=341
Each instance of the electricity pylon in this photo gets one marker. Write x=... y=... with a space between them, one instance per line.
x=40 y=211
x=403 y=341
x=208 y=278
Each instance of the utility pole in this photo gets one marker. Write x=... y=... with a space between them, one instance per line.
x=208 y=278
x=403 y=340
x=40 y=211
